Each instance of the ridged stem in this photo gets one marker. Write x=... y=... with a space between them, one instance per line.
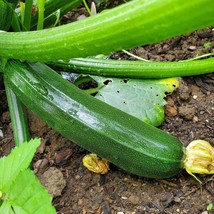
x=137 y=69
x=18 y=117
x=52 y=18
x=27 y=14
x=15 y=23
x=53 y=5
x=41 y=9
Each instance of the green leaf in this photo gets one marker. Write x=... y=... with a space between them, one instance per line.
x=6 y=208
x=18 y=160
x=27 y=195
x=143 y=99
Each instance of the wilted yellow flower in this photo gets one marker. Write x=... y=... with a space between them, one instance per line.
x=199 y=158
x=95 y=164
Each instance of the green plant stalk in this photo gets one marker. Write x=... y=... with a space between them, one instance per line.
x=53 y=5
x=41 y=9
x=22 y=11
x=137 y=69
x=52 y=19
x=132 y=24
x=15 y=23
x=87 y=8
x=27 y=15
x=18 y=117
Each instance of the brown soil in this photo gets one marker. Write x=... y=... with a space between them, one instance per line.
x=189 y=116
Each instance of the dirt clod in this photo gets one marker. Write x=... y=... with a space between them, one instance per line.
x=53 y=180
x=187 y=112
x=134 y=199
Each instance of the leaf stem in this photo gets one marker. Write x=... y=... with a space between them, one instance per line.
x=198 y=57
x=134 y=56
x=27 y=14
x=18 y=117
x=51 y=7
x=15 y=23
x=137 y=69
x=41 y=10
x=87 y=8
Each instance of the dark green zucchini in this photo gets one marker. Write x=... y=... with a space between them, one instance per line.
x=124 y=140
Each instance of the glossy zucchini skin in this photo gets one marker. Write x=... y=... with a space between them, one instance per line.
x=124 y=140
x=134 y=23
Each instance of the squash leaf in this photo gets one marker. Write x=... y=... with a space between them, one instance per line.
x=20 y=190
x=141 y=98
x=19 y=159
x=6 y=208
x=27 y=195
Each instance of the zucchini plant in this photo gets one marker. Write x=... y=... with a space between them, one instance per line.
x=91 y=123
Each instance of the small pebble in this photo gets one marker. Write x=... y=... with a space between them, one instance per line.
x=1 y=134
x=77 y=177
x=177 y=199
x=195 y=97
x=124 y=198
x=195 y=119
x=201 y=112
x=192 y=48
x=134 y=199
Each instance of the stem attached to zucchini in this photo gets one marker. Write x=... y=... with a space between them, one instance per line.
x=137 y=69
